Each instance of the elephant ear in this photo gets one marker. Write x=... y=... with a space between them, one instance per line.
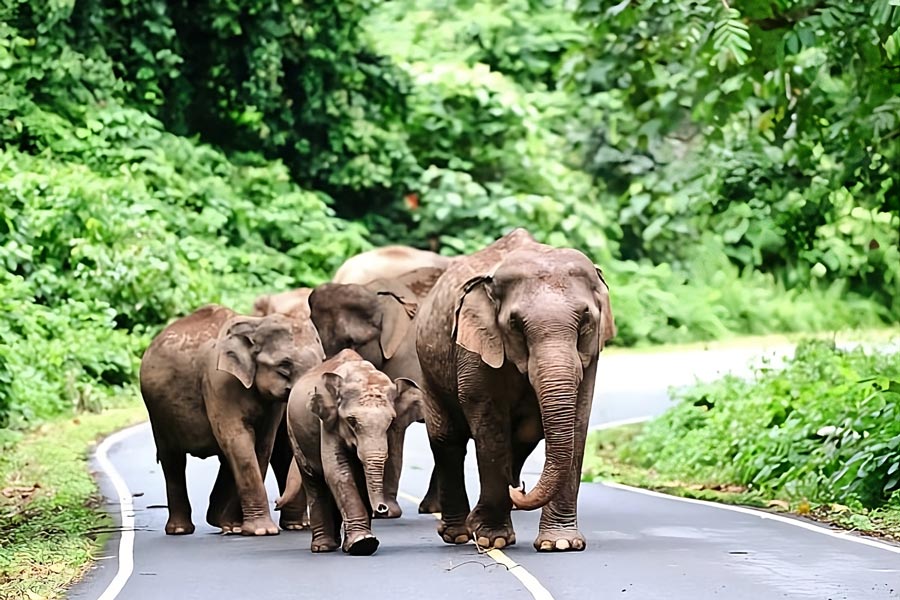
x=324 y=401
x=607 y=320
x=475 y=327
x=234 y=351
x=409 y=403
x=397 y=311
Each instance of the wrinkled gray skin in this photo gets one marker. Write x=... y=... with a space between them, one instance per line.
x=215 y=383
x=376 y=320
x=293 y=304
x=508 y=342
x=338 y=419
x=388 y=262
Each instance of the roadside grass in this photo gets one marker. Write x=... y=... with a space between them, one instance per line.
x=50 y=525
x=609 y=456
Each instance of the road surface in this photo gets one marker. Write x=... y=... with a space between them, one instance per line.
x=640 y=545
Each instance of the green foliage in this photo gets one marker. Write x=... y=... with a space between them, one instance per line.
x=825 y=428
x=111 y=225
x=771 y=125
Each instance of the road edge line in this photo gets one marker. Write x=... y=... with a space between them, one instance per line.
x=125 y=555
x=840 y=534
x=531 y=583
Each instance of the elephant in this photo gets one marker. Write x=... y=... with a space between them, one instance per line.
x=376 y=320
x=387 y=263
x=292 y=303
x=508 y=342
x=216 y=383
x=339 y=415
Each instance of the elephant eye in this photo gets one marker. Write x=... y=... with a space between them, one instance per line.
x=515 y=322
x=585 y=323
x=284 y=368
x=352 y=422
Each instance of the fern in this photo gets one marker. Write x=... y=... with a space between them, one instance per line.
x=731 y=40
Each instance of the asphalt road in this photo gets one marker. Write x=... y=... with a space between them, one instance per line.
x=639 y=545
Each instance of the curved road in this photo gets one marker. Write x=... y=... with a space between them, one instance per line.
x=640 y=545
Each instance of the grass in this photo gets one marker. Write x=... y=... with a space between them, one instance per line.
x=603 y=462
x=50 y=525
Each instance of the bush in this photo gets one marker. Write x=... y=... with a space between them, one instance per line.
x=825 y=428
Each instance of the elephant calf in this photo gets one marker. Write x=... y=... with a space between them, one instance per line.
x=215 y=383
x=339 y=417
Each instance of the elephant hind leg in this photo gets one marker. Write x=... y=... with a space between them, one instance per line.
x=224 y=507
x=431 y=503
x=173 y=464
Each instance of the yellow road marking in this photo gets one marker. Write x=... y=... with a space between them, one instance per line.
x=534 y=587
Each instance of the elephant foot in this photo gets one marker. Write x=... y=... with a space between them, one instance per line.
x=259 y=526
x=179 y=527
x=488 y=535
x=559 y=540
x=360 y=543
x=429 y=505
x=394 y=511
x=453 y=533
x=323 y=544
x=292 y=522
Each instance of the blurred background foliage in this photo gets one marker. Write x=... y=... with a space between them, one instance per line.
x=731 y=165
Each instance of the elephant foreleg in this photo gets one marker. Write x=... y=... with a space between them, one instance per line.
x=245 y=467
x=489 y=522
x=344 y=486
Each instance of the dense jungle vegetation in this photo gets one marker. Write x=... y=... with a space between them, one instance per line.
x=732 y=165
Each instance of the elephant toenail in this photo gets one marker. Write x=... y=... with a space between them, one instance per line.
x=562 y=544
x=484 y=542
x=499 y=543
x=546 y=545
x=461 y=539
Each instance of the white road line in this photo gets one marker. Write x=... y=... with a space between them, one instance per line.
x=126 y=512
x=839 y=534
x=534 y=587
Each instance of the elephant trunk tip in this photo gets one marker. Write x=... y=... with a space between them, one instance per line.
x=523 y=501
x=381 y=508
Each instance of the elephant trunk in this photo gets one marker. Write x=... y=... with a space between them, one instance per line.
x=556 y=385
x=373 y=461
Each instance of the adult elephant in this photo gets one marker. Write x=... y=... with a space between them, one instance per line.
x=376 y=320
x=216 y=383
x=294 y=304
x=387 y=263
x=508 y=342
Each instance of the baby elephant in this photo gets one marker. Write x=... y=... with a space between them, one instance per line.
x=339 y=417
x=215 y=384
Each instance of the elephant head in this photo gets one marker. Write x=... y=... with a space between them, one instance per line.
x=545 y=311
x=268 y=353
x=374 y=322
x=359 y=404
x=292 y=303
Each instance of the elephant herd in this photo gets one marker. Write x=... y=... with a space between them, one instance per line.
x=499 y=346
